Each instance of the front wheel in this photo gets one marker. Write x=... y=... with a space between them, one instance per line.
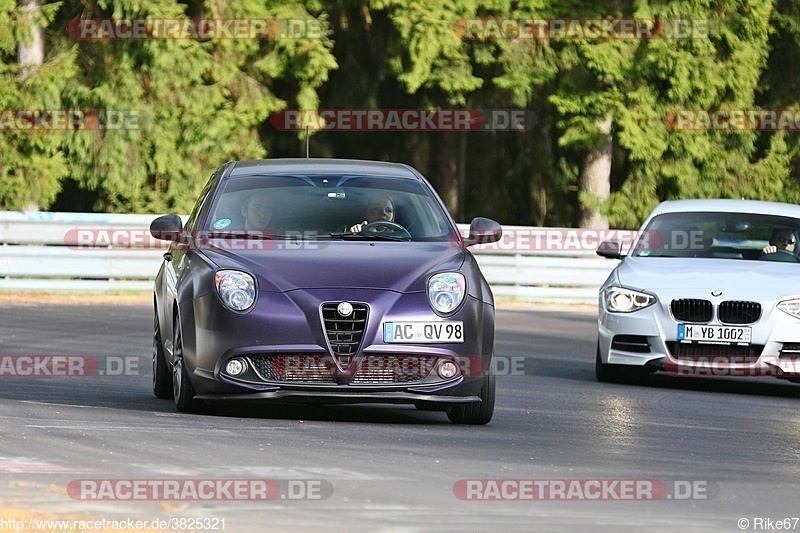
x=477 y=413
x=618 y=373
x=606 y=373
x=182 y=389
x=162 y=381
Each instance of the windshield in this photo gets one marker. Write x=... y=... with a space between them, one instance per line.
x=329 y=206
x=736 y=236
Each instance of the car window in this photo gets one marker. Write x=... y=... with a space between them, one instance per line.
x=736 y=236
x=319 y=206
x=190 y=223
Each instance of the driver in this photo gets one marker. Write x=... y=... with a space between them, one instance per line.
x=379 y=209
x=782 y=239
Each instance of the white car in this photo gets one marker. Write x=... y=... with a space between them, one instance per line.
x=708 y=288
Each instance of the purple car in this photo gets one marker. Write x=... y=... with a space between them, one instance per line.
x=327 y=281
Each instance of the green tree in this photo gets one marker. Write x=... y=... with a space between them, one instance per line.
x=432 y=62
x=201 y=101
x=31 y=162
x=636 y=85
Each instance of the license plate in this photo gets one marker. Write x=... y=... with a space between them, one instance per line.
x=423 y=332
x=691 y=332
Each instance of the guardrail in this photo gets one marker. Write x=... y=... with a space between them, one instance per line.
x=88 y=252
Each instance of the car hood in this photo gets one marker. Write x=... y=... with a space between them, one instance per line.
x=397 y=266
x=736 y=278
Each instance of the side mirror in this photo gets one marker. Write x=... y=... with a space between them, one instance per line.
x=167 y=228
x=610 y=249
x=483 y=231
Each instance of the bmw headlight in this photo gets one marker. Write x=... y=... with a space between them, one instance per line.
x=791 y=307
x=237 y=290
x=446 y=291
x=621 y=300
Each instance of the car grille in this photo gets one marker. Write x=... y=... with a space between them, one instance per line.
x=734 y=312
x=716 y=353
x=791 y=350
x=691 y=310
x=309 y=368
x=344 y=333
x=393 y=369
x=631 y=343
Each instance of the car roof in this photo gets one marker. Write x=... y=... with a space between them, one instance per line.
x=320 y=166
x=727 y=206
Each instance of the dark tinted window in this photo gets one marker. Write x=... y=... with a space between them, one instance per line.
x=309 y=206
x=718 y=235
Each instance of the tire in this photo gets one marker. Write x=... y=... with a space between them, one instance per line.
x=607 y=373
x=477 y=413
x=162 y=379
x=182 y=389
x=618 y=373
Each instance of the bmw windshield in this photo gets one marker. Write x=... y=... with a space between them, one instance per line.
x=720 y=235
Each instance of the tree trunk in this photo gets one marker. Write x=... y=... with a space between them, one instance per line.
x=595 y=177
x=30 y=53
x=462 y=175
x=443 y=168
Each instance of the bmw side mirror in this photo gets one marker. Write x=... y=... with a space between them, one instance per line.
x=483 y=231
x=610 y=249
x=167 y=228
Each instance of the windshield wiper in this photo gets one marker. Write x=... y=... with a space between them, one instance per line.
x=242 y=234
x=366 y=236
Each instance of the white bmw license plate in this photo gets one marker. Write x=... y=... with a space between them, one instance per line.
x=423 y=332
x=732 y=334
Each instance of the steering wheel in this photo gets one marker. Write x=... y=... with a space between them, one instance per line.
x=396 y=229
x=784 y=256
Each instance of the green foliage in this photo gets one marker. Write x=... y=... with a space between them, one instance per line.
x=31 y=162
x=202 y=103
x=197 y=104
x=433 y=54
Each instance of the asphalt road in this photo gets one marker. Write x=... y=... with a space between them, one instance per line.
x=723 y=449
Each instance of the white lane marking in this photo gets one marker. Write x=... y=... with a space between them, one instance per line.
x=64 y=404
x=25 y=465
x=124 y=428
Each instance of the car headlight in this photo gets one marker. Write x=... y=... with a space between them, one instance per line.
x=621 y=300
x=446 y=291
x=237 y=290
x=790 y=307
